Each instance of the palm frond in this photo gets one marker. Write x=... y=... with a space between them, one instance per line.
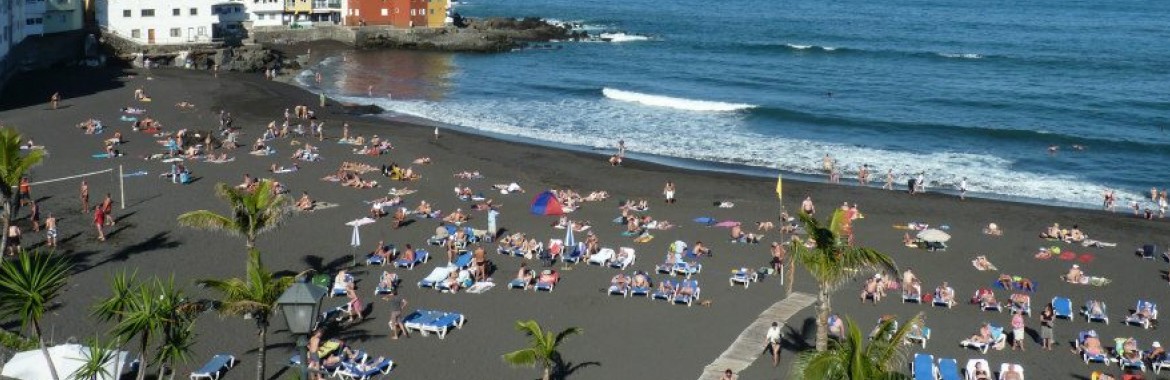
x=30 y=283
x=122 y=285
x=209 y=220
x=94 y=358
x=522 y=358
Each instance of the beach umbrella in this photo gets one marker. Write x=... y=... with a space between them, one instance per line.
x=570 y=241
x=934 y=236
x=727 y=223
x=355 y=239
x=67 y=358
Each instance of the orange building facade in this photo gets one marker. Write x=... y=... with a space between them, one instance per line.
x=399 y=13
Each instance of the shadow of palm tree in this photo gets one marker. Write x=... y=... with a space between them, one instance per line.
x=798 y=340
x=562 y=369
x=160 y=240
x=318 y=264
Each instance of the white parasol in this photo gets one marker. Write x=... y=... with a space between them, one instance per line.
x=934 y=236
x=67 y=358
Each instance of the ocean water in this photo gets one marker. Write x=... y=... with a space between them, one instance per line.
x=954 y=89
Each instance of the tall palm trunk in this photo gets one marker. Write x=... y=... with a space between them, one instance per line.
x=823 y=309
x=10 y=208
x=791 y=278
x=260 y=353
x=141 y=375
x=547 y=372
x=45 y=350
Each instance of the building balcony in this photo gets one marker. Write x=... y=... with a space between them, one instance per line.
x=326 y=4
x=63 y=5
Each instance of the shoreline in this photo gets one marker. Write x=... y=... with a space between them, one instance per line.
x=680 y=163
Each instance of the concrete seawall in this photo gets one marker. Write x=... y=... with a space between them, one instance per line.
x=384 y=37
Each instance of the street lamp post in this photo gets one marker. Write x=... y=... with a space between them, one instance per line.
x=300 y=304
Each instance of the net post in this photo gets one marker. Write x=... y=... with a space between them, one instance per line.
x=122 y=187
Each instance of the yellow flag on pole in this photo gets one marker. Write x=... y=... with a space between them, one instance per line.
x=780 y=186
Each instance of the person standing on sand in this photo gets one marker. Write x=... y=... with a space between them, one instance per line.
x=1047 y=317
x=99 y=220
x=621 y=147
x=807 y=206
x=25 y=191
x=668 y=192
x=436 y=133
x=863 y=175
x=963 y=189
x=322 y=94
x=773 y=339
x=889 y=180
x=51 y=231
x=13 y=237
x=397 y=308
x=84 y=197
x=35 y=216
x=56 y=98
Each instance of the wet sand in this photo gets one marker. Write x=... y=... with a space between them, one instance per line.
x=624 y=338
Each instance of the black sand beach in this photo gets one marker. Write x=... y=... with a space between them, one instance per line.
x=624 y=337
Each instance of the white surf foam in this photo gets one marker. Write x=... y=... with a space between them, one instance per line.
x=723 y=137
x=798 y=47
x=623 y=37
x=961 y=55
x=670 y=102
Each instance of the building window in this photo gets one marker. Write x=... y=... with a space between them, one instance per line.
x=135 y=33
x=386 y=12
x=194 y=11
x=412 y=12
x=176 y=32
x=148 y=13
x=125 y=13
x=357 y=12
x=176 y=12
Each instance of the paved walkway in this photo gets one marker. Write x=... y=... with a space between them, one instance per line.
x=750 y=343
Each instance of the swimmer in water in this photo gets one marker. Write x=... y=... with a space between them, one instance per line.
x=1053 y=148
x=1078 y=147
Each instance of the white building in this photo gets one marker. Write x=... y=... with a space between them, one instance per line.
x=268 y=12
x=171 y=21
x=34 y=17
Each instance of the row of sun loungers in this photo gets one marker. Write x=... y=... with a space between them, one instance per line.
x=924 y=367
x=1117 y=354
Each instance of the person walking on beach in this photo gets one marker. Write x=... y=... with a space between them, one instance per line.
x=13 y=240
x=84 y=197
x=728 y=375
x=773 y=339
x=963 y=189
x=99 y=220
x=863 y=175
x=436 y=133
x=1018 y=331
x=493 y=214
x=807 y=206
x=621 y=147
x=51 y=231
x=108 y=209
x=1047 y=317
x=889 y=180
x=397 y=308
x=34 y=216
x=668 y=192
x=56 y=98
x=920 y=183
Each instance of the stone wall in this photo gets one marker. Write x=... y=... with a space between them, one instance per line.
x=283 y=35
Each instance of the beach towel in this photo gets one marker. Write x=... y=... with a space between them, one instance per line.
x=644 y=239
x=173 y=159
x=134 y=174
x=705 y=220
x=1086 y=258
x=1067 y=256
x=284 y=170
x=481 y=287
x=101 y=155
x=129 y=118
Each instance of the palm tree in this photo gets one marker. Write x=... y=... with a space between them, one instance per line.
x=252 y=212
x=254 y=296
x=94 y=359
x=177 y=341
x=542 y=350
x=160 y=309
x=124 y=285
x=14 y=164
x=853 y=358
x=833 y=261
x=28 y=285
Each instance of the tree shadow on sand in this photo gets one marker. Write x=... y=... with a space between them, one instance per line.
x=563 y=370
x=798 y=339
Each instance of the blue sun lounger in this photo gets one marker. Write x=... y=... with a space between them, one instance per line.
x=574 y=255
x=420 y=256
x=642 y=290
x=1062 y=307
x=948 y=369
x=519 y=283
x=923 y=367
x=353 y=372
x=688 y=299
x=426 y=322
x=668 y=294
x=463 y=260
x=215 y=367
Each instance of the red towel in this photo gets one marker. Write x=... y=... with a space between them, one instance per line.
x=1086 y=258
x=1068 y=256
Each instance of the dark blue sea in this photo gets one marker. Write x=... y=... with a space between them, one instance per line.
x=955 y=89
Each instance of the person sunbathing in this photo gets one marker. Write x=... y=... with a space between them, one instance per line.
x=1074 y=275
x=1053 y=232
x=421 y=161
x=984 y=335
x=548 y=276
x=1021 y=301
x=1092 y=345
x=640 y=280
x=305 y=203
x=408 y=254
x=453 y=281
x=1005 y=281
x=993 y=230
x=764 y=226
x=1013 y=373
x=687 y=289
x=987 y=300
x=384 y=251
x=1096 y=308
x=981 y=263
x=945 y=293
x=666 y=287
x=1146 y=311
x=524 y=275
x=981 y=372
x=456 y=217
x=737 y=234
x=619 y=280
x=1156 y=354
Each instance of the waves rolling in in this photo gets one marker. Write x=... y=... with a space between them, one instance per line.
x=670 y=102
